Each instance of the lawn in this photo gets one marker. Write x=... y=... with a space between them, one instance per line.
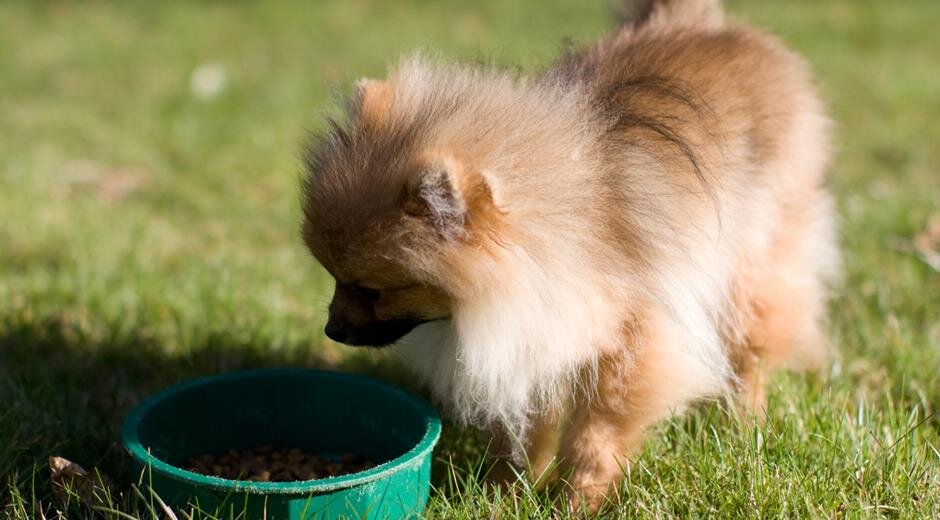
x=149 y=233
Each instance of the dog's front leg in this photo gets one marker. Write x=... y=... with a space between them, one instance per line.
x=643 y=381
x=541 y=446
x=604 y=431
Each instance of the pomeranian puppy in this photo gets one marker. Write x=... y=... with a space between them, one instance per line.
x=565 y=259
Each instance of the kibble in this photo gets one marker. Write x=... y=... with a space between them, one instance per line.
x=266 y=464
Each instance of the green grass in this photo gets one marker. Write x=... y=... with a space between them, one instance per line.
x=148 y=235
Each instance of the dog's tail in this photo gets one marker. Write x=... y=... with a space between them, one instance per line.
x=663 y=14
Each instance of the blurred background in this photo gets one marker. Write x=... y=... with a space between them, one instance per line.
x=149 y=166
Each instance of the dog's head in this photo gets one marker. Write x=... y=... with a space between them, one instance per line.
x=390 y=214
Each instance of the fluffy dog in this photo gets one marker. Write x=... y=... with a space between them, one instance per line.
x=587 y=250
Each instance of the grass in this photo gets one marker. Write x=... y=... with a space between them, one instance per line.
x=149 y=235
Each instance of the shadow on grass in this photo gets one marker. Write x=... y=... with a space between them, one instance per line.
x=65 y=394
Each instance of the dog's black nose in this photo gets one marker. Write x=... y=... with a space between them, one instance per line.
x=335 y=332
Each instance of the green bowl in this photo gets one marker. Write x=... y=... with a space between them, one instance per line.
x=316 y=411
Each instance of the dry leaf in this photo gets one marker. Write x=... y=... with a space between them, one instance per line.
x=117 y=185
x=929 y=238
x=927 y=242
x=68 y=476
x=110 y=183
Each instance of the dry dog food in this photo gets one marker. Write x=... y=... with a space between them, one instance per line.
x=266 y=464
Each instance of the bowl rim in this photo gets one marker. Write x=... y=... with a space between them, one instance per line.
x=132 y=444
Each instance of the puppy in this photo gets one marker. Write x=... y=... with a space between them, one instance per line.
x=574 y=255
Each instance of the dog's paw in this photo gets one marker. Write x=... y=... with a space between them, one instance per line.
x=586 y=497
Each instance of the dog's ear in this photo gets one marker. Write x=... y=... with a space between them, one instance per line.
x=447 y=196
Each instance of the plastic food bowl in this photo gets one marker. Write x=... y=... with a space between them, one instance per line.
x=316 y=411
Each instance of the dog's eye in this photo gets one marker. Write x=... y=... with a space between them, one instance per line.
x=373 y=295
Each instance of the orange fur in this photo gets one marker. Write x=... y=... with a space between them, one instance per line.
x=375 y=98
x=642 y=225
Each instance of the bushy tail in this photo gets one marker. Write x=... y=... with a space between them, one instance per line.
x=660 y=14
